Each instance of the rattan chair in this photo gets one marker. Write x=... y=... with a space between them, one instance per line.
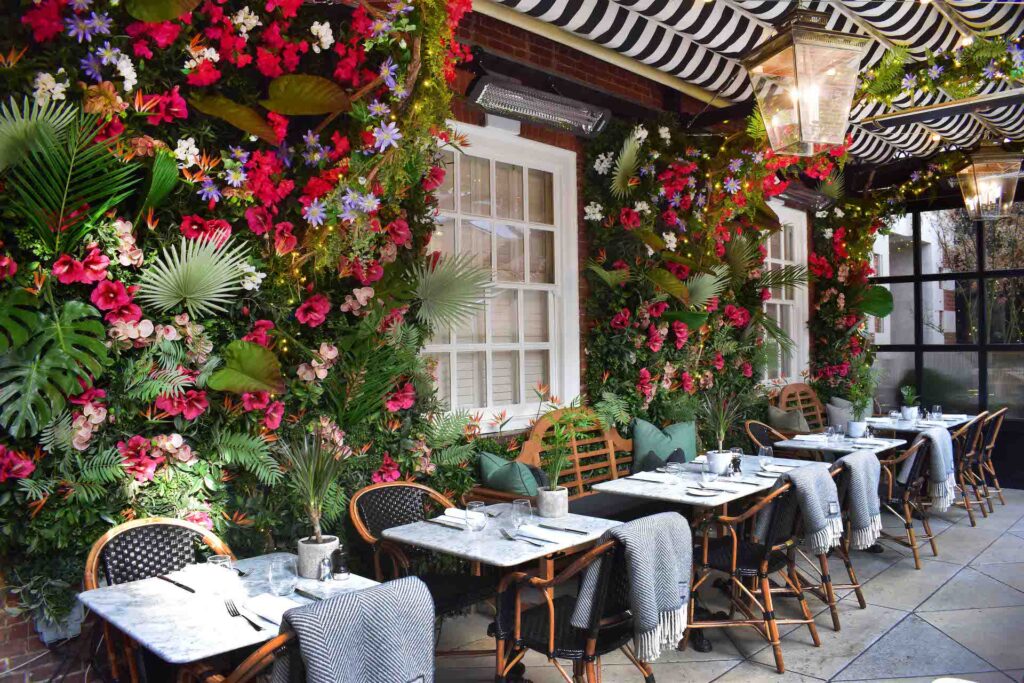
x=750 y=561
x=967 y=448
x=381 y=506
x=985 y=468
x=763 y=435
x=141 y=549
x=546 y=627
x=252 y=666
x=905 y=496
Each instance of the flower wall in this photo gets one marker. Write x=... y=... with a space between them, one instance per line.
x=215 y=226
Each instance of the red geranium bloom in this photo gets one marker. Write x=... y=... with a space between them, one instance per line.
x=399 y=231
x=272 y=416
x=737 y=316
x=629 y=218
x=747 y=369
x=284 y=240
x=44 y=20
x=259 y=335
x=94 y=266
x=14 y=465
x=313 y=311
x=402 y=399
x=434 y=178
x=204 y=74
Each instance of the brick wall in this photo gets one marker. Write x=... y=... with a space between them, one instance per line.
x=24 y=658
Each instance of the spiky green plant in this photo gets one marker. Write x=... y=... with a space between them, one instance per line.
x=626 y=165
x=703 y=286
x=312 y=469
x=834 y=187
x=26 y=127
x=449 y=291
x=612 y=278
x=201 y=274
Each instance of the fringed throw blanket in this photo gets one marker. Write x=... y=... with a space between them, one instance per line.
x=818 y=499
x=941 y=482
x=864 y=472
x=659 y=559
x=383 y=634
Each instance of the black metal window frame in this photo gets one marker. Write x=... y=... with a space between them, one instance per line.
x=981 y=346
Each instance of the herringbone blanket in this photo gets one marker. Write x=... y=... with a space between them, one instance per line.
x=818 y=498
x=383 y=634
x=659 y=558
x=862 y=498
x=941 y=482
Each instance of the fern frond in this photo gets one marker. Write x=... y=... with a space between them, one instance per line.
x=444 y=429
x=249 y=452
x=756 y=129
x=453 y=455
x=56 y=435
x=612 y=410
x=160 y=383
x=102 y=468
x=201 y=275
x=449 y=292
x=37 y=489
x=626 y=165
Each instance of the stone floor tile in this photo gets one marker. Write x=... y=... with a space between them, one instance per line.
x=913 y=648
x=1018 y=675
x=752 y=672
x=1006 y=548
x=961 y=543
x=987 y=677
x=993 y=634
x=971 y=589
x=901 y=586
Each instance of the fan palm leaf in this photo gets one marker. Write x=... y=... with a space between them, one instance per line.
x=28 y=126
x=626 y=165
x=202 y=275
x=612 y=278
x=741 y=254
x=703 y=286
x=834 y=187
x=449 y=291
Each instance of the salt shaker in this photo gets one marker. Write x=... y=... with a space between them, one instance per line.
x=326 y=574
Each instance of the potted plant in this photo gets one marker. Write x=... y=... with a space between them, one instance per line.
x=721 y=409
x=553 y=500
x=908 y=411
x=861 y=395
x=313 y=465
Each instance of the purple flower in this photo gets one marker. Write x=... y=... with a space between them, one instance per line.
x=399 y=7
x=107 y=53
x=239 y=154
x=79 y=28
x=386 y=136
x=80 y=5
x=235 y=177
x=380 y=27
x=735 y=165
x=379 y=109
x=311 y=138
x=100 y=23
x=757 y=158
x=92 y=66
x=387 y=71
x=935 y=71
x=1017 y=55
x=909 y=82
x=369 y=202
x=991 y=71
x=732 y=186
x=314 y=213
x=209 y=192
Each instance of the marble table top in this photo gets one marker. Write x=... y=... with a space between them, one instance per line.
x=490 y=547
x=916 y=426
x=845 y=445
x=182 y=627
x=682 y=491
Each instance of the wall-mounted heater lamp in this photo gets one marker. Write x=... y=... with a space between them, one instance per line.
x=503 y=97
x=804 y=80
x=989 y=182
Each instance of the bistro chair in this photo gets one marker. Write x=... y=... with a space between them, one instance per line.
x=381 y=506
x=762 y=435
x=251 y=667
x=801 y=397
x=986 y=470
x=141 y=549
x=750 y=561
x=546 y=627
x=908 y=497
x=967 y=448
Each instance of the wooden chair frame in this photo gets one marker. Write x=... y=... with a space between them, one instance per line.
x=985 y=468
x=966 y=458
x=794 y=453
x=911 y=501
x=742 y=597
x=802 y=397
x=253 y=665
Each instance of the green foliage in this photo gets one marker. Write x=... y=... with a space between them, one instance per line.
x=305 y=95
x=55 y=437
x=146 y=385
x=250 y=452
x=909 y=394
x=612 y=411
x=741 y=256
x=626 y=165
x=702 y=287
x=449 y=292
x=834 y=186
x=201 y=275
x=19 y=318
x=454 y=455
x=889 y=71
x=162 y=180
x=612 y=278
x=238 y=115
x=447 y=428
x=159 y=10
x=31 y=126
x=756 y=129
x=877 y=301
x=564 y=429
x=312 y=469
x=248 y=367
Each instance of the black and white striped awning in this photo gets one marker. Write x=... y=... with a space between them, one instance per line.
x=702 y=41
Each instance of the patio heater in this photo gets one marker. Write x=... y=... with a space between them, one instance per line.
x=989 y=182
x=508 y=98
x=804 y=80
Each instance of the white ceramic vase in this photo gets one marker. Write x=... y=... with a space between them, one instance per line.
x=855 y=429
x=908 y=413
x=719 y=461
x=552 y=504
x=311 y=554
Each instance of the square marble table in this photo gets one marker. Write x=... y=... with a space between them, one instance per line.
x=841 y=446
x=182 y=627
x=490 y=547
x=917 y=426
x=680 y=491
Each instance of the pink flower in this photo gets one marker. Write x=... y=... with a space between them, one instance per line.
x=737 y=316
x=272 y=416
x=620 y=320
x=399 y=231
x=369 y=273
x=712 y=304
x=313 y=311
x=135 y=454
x=257 y=400
x=311 y=373
x=8 y=267
x=402 y=399
x=719 y=362
x=259 y=219
x=766 y=294
x=747 y=369
x=94 y=266
x=200 y=517
x=167 y=107
x=67 y=270
x=190 y=404
x=14 y=465
x=284 y=240
x=434 y=178
x=657 y=309
x=110 y=295
x=388 y=471
x=259 y=335
x=654 y=338
x=686 y=381
x=204 y=74
x=644 y=385
x=681 y=332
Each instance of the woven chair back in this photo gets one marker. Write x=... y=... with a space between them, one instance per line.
x=382 y=506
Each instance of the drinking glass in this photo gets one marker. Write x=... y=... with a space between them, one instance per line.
x=765 y=456
x=221 y=561
x=737 y=458
x=281 y=575
x=937 y=412
x=522 y=511
x=675 y=469
x=841 y=432
x=476 y=522
x=707 y=475
x=830 y=433
x=894 y=415
x=222 y=577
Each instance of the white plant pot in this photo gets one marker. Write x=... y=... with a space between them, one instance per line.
x=552 y=504
x=312 y=553
x=52 y=632
x=719 y=461
x=909 y=413
x=856 y=429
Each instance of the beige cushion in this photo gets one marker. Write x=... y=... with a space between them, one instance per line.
x=788 y=420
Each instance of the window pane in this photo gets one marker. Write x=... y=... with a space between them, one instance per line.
x=443 y=237
x=948 y=242
x=951 y=380
x=775 y=246
x=475 y=240
x=471 y=379
x=1004 y=310
x=446 y=193
x=896 y=368
x=537 y=371
x=442 y=371
x=471 y=330
x=535 y=316
x=542 y=197
x=786 y=323
x=787 y=231
x=505 y=378
x=475 y=190
x=511 y=253
x=949 y=312
x=505 y=317
x=1004 y=242
x=542 y=256
x=1006 y=382
x=508 y=190
x=896 y=251
x=898 y=328
x=773 y=366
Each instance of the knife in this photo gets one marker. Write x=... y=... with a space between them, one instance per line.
x=520 y=534
x=179 y=585
x=447 y=526
x=651 y=481
x=563 y=528
x=307 y=595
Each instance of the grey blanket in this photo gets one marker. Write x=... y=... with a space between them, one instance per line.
x=941 y=482
x=383 y=634
x=659 y=560
x=818 y=498
x=864 y=471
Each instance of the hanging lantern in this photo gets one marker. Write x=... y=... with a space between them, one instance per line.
x=804 y=80
x=989 y=182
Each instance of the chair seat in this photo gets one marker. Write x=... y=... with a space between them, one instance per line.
x=570 y=642
x=748 y=557
x=454 y=593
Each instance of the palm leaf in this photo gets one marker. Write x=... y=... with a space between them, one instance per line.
x=163 y=178
x=668 y=283
x=200 y=275
x=30 y=126
x=626 y=166
x=444 y=429
x=741 y=254
x=449 y=292
x=786 y=276
x=703 y=286
x=56 y=435
x=612 y=278
x=612 y=410
x=834 y=187
x=450 y=456
x=305 y=95
x=773 y=331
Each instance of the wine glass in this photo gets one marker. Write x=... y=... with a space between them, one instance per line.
x=675 y=469
x=841 y=432
x=281 y=575
x=522 y=511
x=707 y=475
x=478 y=521
x=937 y=412
x=830 y=433
x=894 y=416
x=765 y=457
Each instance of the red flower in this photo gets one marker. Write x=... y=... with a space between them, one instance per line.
x=204 y=74
x=434 y=178
x=168 y=106
x=766 y=294
x=819 y=266
x=388 y=471
x=190 y=405
x=712 y=304
x=772 y=186
x=737 y=316
x=284 y=240
x=620 y=320
x=259 y=219
x=94 y=267
x=44 y=20
x=654 y=338
x=686 y=381
x=313 y=311
x=681 y=332
x=670 y=217
x=629 y=218
x=196 y=227
x=369 y=273
x=137 y=460
x=109 y=295
x=14 y=465
x=272 y=416
x=257 y=400
x=8 y=267
x=279 y=124
x=719 y=362
x=747 y=369
x=402 y=399
x=644 y=385
x=259 y=333
x=67 y=270
x=679 y=270
x=657 y=309
x=399 y=231
x=268 y=63
x=200 y=517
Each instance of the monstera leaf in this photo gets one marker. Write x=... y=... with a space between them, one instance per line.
x=238 y=115
x=305 y=95
x=19 y=317
x=248 y=367
x=159 y=10
x=876 y=301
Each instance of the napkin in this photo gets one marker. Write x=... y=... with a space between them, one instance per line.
x=777 y=468
x=463 y=515
x=663 y=477
x=810 y=437
x=877 y=419
x=955 y=416
x=700 y=459
x=546 y=534
x=270 y=607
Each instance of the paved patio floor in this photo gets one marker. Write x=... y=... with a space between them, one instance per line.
x=961 y=616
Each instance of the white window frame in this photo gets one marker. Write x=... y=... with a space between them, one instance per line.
x=800 y=303
x=564 y=314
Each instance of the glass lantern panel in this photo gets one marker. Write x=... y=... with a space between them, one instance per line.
x=773 y=81
x=988 y=187
x=827 y=70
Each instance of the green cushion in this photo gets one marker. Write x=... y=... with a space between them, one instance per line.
x=508 y=476
x=651 y=442
x=789 y=420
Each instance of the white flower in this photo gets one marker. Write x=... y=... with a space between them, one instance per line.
x=640 y=133
x=670 y=240
x=127 y=71
x=838 y=212
x=245 y=20
x=603 y=164
x=252 y=278
x=650 y=251
x=187 y=153
x=665 y=134
x=46 y=88
x=207 y=54
x=324 y=35
x=821 y=214
x=827 y=233
x=593 y=211
x=642 y=207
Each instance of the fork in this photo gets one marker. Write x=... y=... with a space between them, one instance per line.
x=232 y=609
x=512 y=537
